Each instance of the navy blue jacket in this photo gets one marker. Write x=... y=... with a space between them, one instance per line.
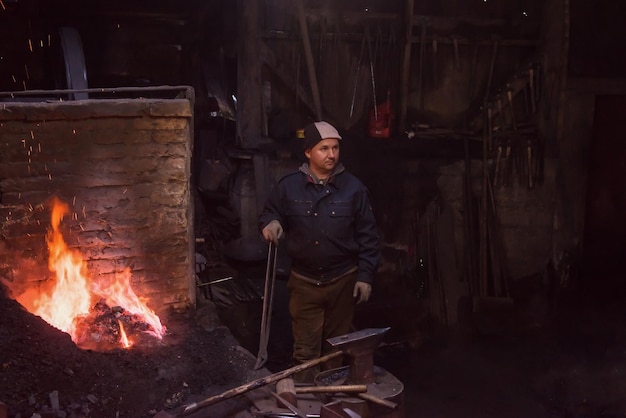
x=329 y=229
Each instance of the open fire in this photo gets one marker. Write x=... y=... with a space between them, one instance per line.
x=97 y=313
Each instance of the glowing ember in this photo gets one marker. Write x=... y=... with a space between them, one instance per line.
x=69 y=302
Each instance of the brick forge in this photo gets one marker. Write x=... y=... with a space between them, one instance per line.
x=123 y=167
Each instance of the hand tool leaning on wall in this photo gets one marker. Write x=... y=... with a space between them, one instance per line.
x=268 y=299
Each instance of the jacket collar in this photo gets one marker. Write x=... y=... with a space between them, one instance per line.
x=311 y=178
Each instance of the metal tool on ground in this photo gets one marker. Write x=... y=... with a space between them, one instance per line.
x=359 y=346
x=384 y=391
x=247 y=387
x=356 y=343
x=268 y=299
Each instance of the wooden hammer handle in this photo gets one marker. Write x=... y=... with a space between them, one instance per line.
x=332 y=389
x=377 y=400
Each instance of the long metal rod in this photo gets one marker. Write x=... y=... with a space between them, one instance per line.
x=268 y=299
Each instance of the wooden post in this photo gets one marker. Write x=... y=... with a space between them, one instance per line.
x=406 y=66
x=249 y=103
x=310 y=64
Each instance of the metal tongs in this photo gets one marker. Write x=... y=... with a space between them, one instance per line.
x=268 y=299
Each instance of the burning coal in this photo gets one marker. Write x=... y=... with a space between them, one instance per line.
x=96 y=313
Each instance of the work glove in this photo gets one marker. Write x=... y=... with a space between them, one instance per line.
x=362 y=291
x=273 y=231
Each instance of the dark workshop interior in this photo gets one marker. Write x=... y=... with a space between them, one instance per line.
x=140 y=139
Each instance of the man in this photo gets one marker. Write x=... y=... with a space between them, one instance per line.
x=331 y=235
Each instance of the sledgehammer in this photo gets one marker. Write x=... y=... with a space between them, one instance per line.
x=255 y=384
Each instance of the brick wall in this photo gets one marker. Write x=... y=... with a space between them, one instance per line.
x=123 y=167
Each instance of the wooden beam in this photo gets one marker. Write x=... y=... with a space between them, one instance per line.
x=308 y=53
x=249 y=109
x=406 y=66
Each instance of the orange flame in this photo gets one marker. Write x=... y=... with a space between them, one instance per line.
x=123 y=336
x=119 y=293
x=71 y=296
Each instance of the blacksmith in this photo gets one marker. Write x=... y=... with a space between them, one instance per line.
x=325 y=216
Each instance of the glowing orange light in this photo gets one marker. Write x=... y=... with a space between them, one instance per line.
x=71 y=295
x=123 y=336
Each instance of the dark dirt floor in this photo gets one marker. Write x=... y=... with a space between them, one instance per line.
x=197 y=358
x=567 y=363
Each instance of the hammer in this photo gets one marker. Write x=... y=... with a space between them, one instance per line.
x=353 y=343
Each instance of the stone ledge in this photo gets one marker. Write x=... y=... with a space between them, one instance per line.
x=95 y=108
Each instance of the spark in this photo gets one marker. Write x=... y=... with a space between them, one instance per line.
x=19 y=196
x=74 y=201
x=30 y=45
x=29 y=169
x=32 y=135
x=2 y=5
x=125 y=190
x=39 y=146
x=26 y=71
x=30 y=207
x=81 y=227
x=13 y=77
x=41 y=43
x=73 y=131
x=24 y=143
x=84 y=214
x=24 y=84
x=48 y=39
x=50 y=177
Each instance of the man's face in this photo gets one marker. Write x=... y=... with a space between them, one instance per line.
x=324 y=156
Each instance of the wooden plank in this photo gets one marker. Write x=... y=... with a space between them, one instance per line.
x=277 y=67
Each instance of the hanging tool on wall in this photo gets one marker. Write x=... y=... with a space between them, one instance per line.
x=372 y=58
x=356 y=76
x=531 y=86
x=457 y=59
x=496 y=173
x=435 y=79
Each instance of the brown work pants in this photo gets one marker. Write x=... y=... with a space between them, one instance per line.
x=319 y=312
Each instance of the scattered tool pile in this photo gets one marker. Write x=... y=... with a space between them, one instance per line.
x=358 y=390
